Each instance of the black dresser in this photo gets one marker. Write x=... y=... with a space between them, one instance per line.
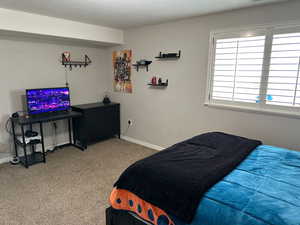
x=99 y=121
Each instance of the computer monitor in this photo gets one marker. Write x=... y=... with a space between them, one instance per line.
x=48 y=100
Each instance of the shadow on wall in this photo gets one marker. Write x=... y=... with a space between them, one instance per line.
x=5 y=137
x=18 y=103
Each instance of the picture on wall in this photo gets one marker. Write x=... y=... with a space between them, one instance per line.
x=122 y=71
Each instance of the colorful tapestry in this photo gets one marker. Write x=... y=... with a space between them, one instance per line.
x=122 y=71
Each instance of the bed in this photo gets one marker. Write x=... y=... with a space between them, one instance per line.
x=264 y=188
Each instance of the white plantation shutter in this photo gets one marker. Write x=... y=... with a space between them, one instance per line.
x=257 y=70
x=283 y=82
x=238 y=69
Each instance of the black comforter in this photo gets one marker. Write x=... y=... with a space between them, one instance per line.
x=176 y=178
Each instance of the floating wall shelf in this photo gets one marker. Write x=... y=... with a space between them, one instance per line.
x=142 y=63
x=165 y=56
x=158 y=85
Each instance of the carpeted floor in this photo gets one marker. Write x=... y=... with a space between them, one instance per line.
x=72 y=188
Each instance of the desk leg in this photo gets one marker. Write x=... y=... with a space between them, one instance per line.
x=14 y=138
x=42 y=140
x=24 y=146
x=72 y=140
x=32 y=146
x=70 y=131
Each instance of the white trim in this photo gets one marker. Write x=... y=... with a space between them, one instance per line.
x=255 y=110
x=143 y=143
x=5 y=160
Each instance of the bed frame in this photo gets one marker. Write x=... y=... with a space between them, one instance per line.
x=120 y=217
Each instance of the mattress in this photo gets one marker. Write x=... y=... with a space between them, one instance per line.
x=263 y=189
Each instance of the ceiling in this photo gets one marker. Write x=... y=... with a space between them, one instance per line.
x=127 y=13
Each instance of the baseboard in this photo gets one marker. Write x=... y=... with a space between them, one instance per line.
x=5 y=160
x=143 y=143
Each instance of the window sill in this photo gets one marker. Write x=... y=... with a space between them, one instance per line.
x=255 y=110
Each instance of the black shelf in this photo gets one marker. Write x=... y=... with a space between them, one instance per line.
x=34 y=158
x=35 y=142
x=168 y=56
x=84 y=63
x=142 y=63
x=138 y=66
x=158 y=85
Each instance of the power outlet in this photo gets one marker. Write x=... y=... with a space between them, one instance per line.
x=130 y=122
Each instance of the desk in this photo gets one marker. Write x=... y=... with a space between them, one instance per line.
x=37 y=157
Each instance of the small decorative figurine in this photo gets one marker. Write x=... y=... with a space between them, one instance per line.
x=153 y=80
x=106 y=100
x=67 y=56
x=159 y=81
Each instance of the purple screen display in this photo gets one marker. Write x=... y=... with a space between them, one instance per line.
x=48 y=100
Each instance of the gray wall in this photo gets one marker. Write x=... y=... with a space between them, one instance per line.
x=28 y=63
x=164 y=117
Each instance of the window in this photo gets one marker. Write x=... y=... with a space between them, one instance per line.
x=258 y=70
x=283 y=83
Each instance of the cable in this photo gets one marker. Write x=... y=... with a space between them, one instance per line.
x=15 y=160
x=55 y=139
x=6 y=126
x=66 y=77
x=9 y=130
x=126 y=129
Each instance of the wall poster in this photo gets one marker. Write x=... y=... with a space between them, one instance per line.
x=122 y=71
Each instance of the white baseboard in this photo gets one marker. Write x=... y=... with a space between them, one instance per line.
x=143 y=143
x=5 y=160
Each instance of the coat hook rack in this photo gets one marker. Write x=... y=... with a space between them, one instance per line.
x=67 y=62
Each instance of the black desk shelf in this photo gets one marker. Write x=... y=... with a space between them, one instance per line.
x=168 y=56
x=38 y=157
x=32 y=159
x=30 y=143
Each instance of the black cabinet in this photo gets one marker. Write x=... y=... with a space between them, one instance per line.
x=99 y=121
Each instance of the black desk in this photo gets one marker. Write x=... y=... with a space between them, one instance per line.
x=37 y=157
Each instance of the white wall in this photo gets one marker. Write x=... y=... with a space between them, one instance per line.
x=30 y=63
x=164 y=117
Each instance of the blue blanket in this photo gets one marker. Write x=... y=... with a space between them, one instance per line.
x=263 y=189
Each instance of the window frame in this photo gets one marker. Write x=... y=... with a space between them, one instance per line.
x=268 y=31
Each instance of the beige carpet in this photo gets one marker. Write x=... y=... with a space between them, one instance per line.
x=72 y=188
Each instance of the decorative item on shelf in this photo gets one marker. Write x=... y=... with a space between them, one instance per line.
x=169 y=55
x=66 y=61
x=106 y=99
x=153 y=80
x=67 y=56
x=142 y=62
x=158 y=82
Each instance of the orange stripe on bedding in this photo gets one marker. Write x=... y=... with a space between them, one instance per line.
x=124 y=200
